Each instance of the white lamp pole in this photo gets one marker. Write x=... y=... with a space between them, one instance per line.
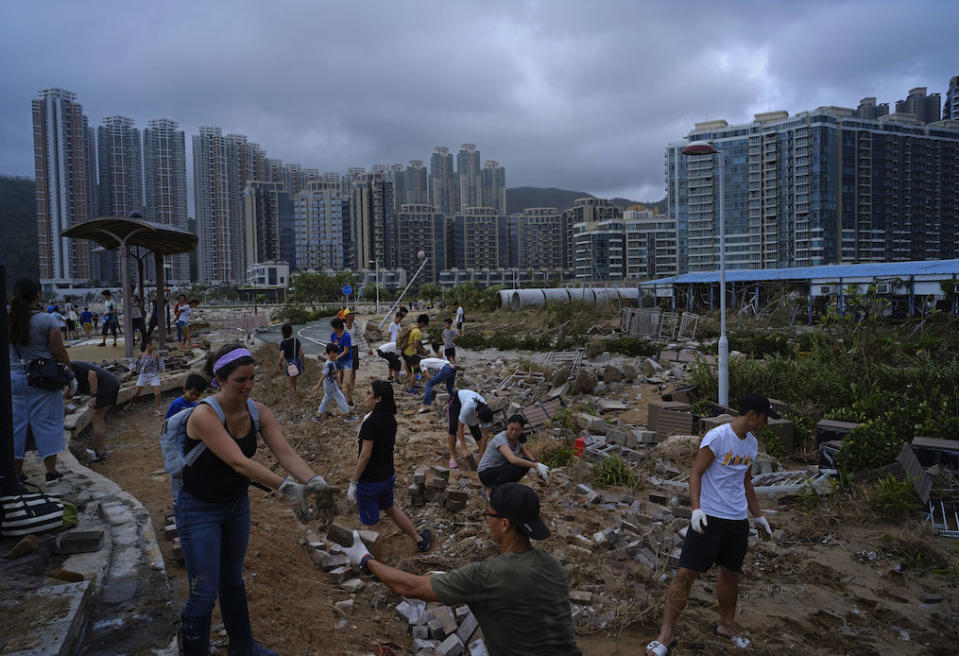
x=701 y=148
x=376 y=263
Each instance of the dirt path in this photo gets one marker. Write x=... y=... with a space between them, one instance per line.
x=810 y=596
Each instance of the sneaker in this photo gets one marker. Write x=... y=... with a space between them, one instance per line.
x=100 y=456
x=54 y=476
x=317 y=418
x=412 y=390
x=424 y=409
x=350 y=418
x=426 y=540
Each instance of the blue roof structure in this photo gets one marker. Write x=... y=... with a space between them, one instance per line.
x=944 y=268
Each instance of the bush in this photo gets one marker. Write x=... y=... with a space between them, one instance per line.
x=760 y=345
x=631 y=346
x=873 y=444
x=613 y=471
x=893 y=499
x=292 y=312
x=559 y=457
x=472 y=339
x=771 y=442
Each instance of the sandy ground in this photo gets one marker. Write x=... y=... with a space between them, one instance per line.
x=810 y=595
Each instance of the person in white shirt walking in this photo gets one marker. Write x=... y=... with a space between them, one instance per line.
x=720 y=494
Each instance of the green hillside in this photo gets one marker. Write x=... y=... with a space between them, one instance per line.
x=521 y=198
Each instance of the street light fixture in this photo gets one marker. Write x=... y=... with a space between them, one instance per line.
x=701 y=149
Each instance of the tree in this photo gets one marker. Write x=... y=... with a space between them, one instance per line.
x=430 y=290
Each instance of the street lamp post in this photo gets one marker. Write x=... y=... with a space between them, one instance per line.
x=704 y=148
x=376 y=263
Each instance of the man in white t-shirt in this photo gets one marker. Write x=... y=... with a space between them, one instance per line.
x=459 y=318
x=720 y=494
x=467 y=408
x=395 y=325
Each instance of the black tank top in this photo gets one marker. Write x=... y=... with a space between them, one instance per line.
x=211 y=479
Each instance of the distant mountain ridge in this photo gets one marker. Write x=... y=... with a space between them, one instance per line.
x=521 y=198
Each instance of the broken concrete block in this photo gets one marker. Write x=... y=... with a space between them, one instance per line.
x=450 y=647
x=353 y=585
x=340 y=534
x=454 y=506
x=580 y=596
x=467 y=626
x=591 y=423
x=585 y=382
x=440 y=472
x=169 y=531
x=319 y=557
x=436 y=630
x=423 y=646
x=457 y=495
x=478 y=648
x=616 y=436
x=444 y=614
x=345 y=607
x=74 y=542
x=435 y=490
x=645 y=437
x=779 y=536
x=611 y=405
x=406 y=612
x=419 y=476
x=421 y=631
x=177 y=549
x=338 y=575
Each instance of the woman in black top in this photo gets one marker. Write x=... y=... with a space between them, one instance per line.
x=213 y=508
x=371 y=486
x=291 y=352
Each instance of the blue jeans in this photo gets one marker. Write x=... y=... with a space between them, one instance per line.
x=214 y=538
x=448 y=374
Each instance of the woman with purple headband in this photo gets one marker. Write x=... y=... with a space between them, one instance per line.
x=213 y=508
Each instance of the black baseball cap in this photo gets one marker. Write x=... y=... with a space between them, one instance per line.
x=759 y=403
x=520 y=505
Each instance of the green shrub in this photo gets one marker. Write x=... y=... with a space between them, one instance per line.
x=559 y=457
x=631 y=346
x=771 y=442
x=564 y=419
x=893 y=499
x=292 y=312
x=613 y=471
x=472 y=339
x=760 y=345
x=873 y=444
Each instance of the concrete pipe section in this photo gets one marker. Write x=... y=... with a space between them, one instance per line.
x=516 y=299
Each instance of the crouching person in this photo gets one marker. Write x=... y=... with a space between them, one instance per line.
x=506 y=459
x=520 y=597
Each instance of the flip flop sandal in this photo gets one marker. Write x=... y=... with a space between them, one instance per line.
x=739 y=640
x=659 y=649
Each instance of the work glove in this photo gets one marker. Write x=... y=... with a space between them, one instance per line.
x=298 y=497
x=316 y=484
x=351 y=493
x=358 y=551
x=761 y=522
x=543 y=471
x=698 y=521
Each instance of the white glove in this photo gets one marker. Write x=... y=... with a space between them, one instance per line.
x=698 y=521
x=358 y=551
x=543 y=471
x=316 y=484
x=298 y=497
x=761 y=522
x=351 y=493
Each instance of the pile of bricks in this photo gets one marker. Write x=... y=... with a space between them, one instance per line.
x=435 y=488
x=440 y=630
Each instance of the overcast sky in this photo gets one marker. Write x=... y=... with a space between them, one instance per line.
x=577 y=95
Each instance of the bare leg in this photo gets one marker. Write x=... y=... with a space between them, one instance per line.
x=400 y=519
x=676 y=597
x=350 y=377
x=99 y=428
x=451 y=441
x=727 y=591
x=50 y=462
x=156 y=399
x=136 y=393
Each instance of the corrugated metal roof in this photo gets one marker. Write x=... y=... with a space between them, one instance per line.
x=943 y=268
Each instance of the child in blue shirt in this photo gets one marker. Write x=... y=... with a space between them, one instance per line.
x=192 y=389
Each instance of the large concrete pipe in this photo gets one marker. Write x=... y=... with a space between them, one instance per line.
x=516 y=299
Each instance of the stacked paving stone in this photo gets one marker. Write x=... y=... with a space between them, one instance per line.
x=440 y=630
x=433 y=486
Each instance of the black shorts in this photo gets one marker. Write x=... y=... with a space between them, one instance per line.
x=450 y=352
x=453 y=416
x=110 y=327
x=392 y=359
x=356 y=357
x=722 y=543
x=107 y=391
x=412 y=361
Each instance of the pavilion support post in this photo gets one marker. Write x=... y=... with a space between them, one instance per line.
x=160 y=303
x=127 y=299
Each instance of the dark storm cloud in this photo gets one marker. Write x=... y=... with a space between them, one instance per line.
x=581 y=95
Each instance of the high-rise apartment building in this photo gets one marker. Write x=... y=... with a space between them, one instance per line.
x=651 y=245
x=821 y=187
x=469 y=176
x=537 y=239
x=323 y=232
x=493 y=186
x=599 y=250
x=410 y=184
x=950 y=108
x=164 y=182
x=63 y=152
x=443 y=186
x=924 y=107
x=374 y=225
x=267 y=214
x=869 y=109
x=220 y=245
x=121 y=167
x=481 y=239
x=422 y=227
x=585 y=210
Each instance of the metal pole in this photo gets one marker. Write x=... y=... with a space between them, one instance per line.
x=8 y=478
x=390 y=311
x=125 y=285
x=723 y=340
x=160 y=304
x=377 y=264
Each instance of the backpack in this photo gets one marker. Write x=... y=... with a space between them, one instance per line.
x=403 y=338
x=173 y=438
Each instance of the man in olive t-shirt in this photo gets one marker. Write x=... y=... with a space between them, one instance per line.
x=520 y=598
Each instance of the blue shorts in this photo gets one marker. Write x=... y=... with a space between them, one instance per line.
x=371 y=498
x=344 y=364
